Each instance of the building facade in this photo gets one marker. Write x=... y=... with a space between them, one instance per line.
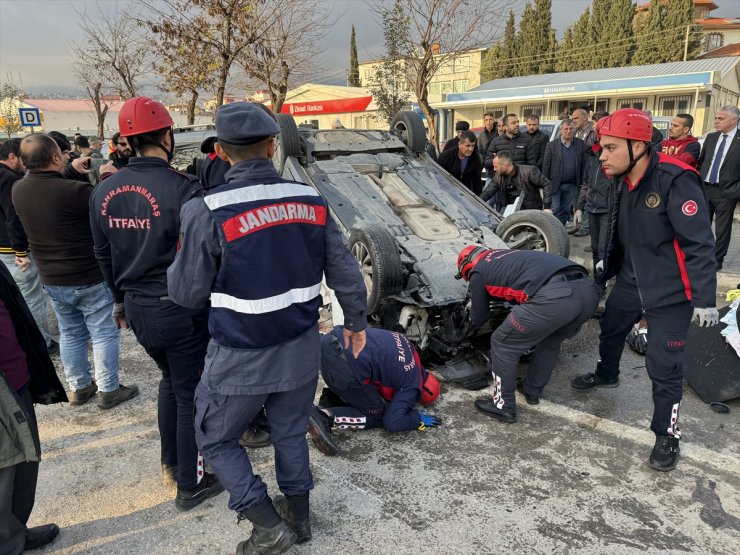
x=697 y=87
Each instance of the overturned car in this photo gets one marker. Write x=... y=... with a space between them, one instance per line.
x=405 y=220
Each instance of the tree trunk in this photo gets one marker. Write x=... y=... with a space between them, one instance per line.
x=282 y=89
x=101 y=122
x=223 y=75
x=431 y=116
x=191 y=107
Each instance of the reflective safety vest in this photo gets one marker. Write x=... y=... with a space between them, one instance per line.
x=267 y=290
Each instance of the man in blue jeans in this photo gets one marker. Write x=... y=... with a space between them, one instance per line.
x=563 y=166
x=54 y=213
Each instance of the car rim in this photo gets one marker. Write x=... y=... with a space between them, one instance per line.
x=362 y=255
x=533 y=237
x=402 y=132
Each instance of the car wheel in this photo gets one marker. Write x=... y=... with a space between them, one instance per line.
x=380 y=264
x=410 y=129
x=288 y=143
x=534 y=230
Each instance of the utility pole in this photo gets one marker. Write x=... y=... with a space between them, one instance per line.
x=686 y=43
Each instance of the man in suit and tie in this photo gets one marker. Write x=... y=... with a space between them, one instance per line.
x=719 y=165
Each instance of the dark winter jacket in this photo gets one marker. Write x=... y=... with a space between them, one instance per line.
x=527 y=180
x=539 y=144
x=13 y=238
x=520 y=146
x=552 y=166
x=45 y=387
x=471 y=177
x=665 y=222
x=595 y=191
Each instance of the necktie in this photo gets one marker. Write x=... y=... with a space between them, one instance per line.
x=714 y=172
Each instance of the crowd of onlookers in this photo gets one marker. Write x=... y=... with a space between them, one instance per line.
x=563 y=176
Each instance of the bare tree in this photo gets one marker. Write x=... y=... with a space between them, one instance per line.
x=183 y=70
x=90 y=78
x=222 y=29
x=288 y=47
x=440 y=31
x=116 y=49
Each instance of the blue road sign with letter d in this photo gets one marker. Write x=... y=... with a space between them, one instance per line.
x=30 y=117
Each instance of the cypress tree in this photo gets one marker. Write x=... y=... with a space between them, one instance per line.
x=598 y=33
x=565 y=60
x=650 y=36
x=582 y=54
x=354 y=66
x=679 y=14
x=528 y=50
x=619 y=33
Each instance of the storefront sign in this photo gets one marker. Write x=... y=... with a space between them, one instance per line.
x=327 y=106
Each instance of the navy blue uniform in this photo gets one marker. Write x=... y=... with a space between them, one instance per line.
x=659 y=245
x=553 y=298
x=381 y=386
x=257 y=247
x=135 y=220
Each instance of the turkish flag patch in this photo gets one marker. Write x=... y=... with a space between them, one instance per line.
x=690 y=207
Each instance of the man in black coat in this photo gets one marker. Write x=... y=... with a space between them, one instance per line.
x=463 y=163
x=719 y=166
x=519 y=144
x=512 y=180
x=539 y=140
x=460 y=128
x=27 y=376
x=564 y=166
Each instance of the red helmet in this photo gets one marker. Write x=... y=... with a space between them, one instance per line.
x=140 y=115
x=628 y=123
x=430 y=389
x=467 y=259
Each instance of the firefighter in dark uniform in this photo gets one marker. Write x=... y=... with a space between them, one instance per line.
x=135 y=219
x=553 y=297
x=659 y=245
x=257 y=247
x=378 y=389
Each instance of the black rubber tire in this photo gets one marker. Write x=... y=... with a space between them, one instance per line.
x=288 y=144
x=409 y=127
x=380 y=264
x=552 y=235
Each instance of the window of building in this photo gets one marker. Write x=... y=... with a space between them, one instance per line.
x=636 y=103
x=712 y=41
x=369 y=75
x=440 y=87
x=533 y=110
x=602 y=105
x=445 y=68
x=462 y=64
x=672 y=105
x=460 y=85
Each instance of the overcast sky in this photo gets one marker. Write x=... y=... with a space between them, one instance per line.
x=34 y=35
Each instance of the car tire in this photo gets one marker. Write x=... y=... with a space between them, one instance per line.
x=534 y=230
x=380 y=264
x=288 y=143
x=410 y=129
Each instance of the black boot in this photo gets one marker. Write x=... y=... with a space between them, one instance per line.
x=294 y=510
x=319 y=428
x=270 y=534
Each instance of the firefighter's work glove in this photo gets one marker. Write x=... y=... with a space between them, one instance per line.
x=428 y=421
x=705 y=317
x=119 y=316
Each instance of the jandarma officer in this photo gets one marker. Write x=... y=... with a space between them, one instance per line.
x=258 y=246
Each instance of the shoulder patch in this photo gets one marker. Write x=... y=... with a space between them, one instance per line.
x=673 y=165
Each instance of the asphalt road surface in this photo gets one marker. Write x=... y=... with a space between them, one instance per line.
x=570 y=477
